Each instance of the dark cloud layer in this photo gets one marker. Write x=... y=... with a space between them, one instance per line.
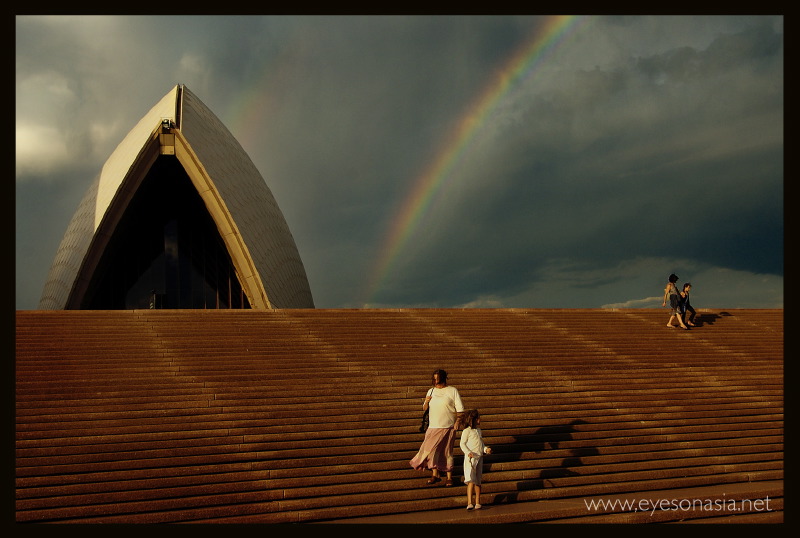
x=637 y=147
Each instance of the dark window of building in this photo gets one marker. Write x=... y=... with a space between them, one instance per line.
x=166 y=251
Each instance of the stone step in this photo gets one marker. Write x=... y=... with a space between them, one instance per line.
x=757 y=503
x=202 y=418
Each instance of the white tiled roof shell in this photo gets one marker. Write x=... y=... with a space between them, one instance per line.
x=251 y=205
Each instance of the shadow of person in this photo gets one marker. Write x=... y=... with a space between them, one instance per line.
x=708 y=319
x=542 y=440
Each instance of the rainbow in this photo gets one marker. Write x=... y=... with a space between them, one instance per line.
x=256 y=102
x=261 y=97
x=435 y=176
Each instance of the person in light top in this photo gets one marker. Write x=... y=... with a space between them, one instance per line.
x=473 y=448
x=673 y=295
x=436 y=453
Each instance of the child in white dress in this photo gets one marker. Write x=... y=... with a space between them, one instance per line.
x=473 y=448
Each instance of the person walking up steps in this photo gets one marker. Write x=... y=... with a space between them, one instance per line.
x=473 y=448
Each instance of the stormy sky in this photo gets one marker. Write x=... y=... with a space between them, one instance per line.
x=445 y=161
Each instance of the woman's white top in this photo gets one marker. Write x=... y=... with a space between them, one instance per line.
x=443 y=407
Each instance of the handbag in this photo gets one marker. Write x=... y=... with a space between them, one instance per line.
x=425 y=418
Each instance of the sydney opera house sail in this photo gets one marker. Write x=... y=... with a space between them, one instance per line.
x=179 y=217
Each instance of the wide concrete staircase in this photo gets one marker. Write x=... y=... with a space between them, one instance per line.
x=312 y=415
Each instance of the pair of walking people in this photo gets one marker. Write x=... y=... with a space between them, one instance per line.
x=446 y=415
x=681 y=308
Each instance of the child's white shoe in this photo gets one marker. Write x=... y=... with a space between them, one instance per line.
x=477 y=507
x=470 y=507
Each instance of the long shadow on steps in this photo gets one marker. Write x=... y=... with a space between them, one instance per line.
x=708 y=319
x=540 y=441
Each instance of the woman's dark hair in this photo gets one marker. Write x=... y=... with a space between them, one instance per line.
x=673 y=277
x=687 y=285
x=469 y=418
x=442 y=376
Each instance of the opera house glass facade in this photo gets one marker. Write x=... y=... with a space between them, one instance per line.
x=166 y=251
x=179 y=217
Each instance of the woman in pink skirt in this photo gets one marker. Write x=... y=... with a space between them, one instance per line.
x=436 y=452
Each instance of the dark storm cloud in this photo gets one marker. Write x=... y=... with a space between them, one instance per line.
x=670 y=155
x=641 y=146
